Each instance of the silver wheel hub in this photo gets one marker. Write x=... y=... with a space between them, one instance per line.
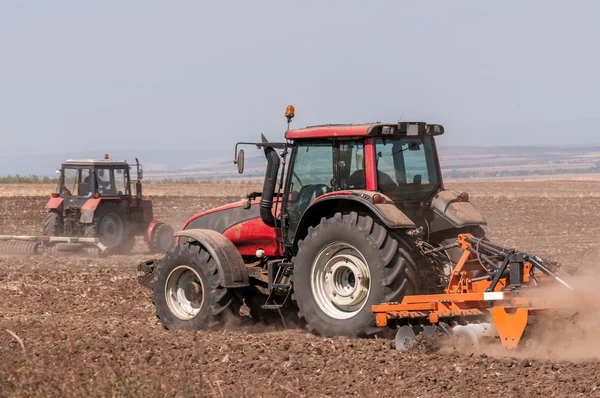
x=184 y=292
x=340 y=280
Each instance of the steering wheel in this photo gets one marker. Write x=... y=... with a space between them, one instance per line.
x=309 y=193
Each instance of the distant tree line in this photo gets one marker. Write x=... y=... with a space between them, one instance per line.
x=35 y=179
x=193 y=180
x=28 y=179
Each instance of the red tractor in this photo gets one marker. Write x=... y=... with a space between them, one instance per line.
x=94 y=199
x=349 y=216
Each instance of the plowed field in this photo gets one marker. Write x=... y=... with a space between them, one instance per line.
x=84 y=327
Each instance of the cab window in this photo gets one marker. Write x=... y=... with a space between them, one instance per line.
x=311 y=176
x=406 y=167
x=77 y=182
x=112 y=181
x=351 y=165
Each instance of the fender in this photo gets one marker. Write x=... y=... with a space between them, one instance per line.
x=232 y=270
x=55 y=204
x=88 y=209
x=386 y=211
x=451 y=210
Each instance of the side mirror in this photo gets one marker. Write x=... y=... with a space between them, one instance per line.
x=239 y=161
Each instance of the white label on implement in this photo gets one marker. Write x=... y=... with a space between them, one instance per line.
x=490 y=296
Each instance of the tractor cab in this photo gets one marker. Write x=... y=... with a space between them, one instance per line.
x=395 y=164
x=94 y=200
x=94 y=178
x=379 y=157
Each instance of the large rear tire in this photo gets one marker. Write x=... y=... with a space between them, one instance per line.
x=186 y=290
x=346 y=264
x=110 y=226
x=53 y=224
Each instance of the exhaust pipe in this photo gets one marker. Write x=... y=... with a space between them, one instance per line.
x=266 y=201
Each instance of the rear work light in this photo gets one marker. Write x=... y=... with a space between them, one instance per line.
x=463 y=197
x=95 y=196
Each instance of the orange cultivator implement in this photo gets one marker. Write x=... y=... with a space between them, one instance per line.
x=28 y=245
x=489 y=282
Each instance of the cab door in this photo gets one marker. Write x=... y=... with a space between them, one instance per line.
x=311 y=175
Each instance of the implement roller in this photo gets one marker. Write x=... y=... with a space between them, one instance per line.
x=31 y=245
x=492 y=292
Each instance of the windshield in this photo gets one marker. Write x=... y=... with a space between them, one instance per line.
x=406 y=167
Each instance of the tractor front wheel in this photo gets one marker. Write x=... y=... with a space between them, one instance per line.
x=186 y=290
x=344 y=265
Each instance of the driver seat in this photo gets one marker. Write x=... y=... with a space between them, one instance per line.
x=83 y=189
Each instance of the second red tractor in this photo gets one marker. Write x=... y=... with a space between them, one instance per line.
x=94 y=199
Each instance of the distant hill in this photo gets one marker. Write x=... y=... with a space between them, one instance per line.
x=202 y=164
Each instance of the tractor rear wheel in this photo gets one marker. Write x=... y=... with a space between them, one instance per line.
x=186 y=290
x=346 y=264
x=53 y=224
x=110 y=226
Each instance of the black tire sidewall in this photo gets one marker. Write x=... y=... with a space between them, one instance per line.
x=53 y=223
x=318 y=239
x=115 y=211
x=184 y=255
x=156 y=238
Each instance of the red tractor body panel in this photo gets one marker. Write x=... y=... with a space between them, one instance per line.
x=329 y=131
x=147 y=210
x=55 y=204
x=243 y=227
x=251 y=235
x=92 y=204
x=370 y=164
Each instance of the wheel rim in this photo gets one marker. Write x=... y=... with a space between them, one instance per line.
x=184 y=292
x=340 y=280
x=111 y=230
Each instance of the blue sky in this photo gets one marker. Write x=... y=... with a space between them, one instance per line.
x=155 y=75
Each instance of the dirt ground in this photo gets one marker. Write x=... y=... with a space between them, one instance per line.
x=84 y=327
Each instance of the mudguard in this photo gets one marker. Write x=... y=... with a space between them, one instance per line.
x=88 y=209
x=55 y=204
x=232 y=270
x=386 y=211
x=458 y=213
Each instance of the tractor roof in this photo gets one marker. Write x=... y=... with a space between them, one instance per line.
x=95 y=162
x=367 y=129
